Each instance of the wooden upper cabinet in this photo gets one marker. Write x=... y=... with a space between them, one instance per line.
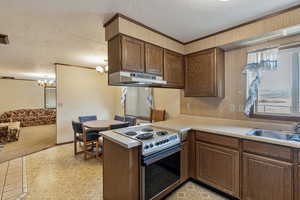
x=133 y=54
x=173 y=69
x=154 y=56
x=265 y=178
x=218 y=167
x=205 y=74
x=114 y=55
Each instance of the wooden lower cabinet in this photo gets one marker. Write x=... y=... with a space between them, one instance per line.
x=184 y=172
x=218 y=167
x=266 y=179
x=297 y=182
x=120 y=172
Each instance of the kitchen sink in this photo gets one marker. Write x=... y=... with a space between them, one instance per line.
x=275 y=135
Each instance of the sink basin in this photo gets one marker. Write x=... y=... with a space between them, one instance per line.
x=275 y=135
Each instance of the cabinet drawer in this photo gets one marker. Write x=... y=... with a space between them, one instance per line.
x=218 y=139
x=274 y=151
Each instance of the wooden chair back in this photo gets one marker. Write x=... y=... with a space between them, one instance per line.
x=157 y=115
x=116 y=126
x=119 y=118
x=77 y=127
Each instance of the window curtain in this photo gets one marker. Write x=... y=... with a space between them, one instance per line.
x=149 y=97
x=258 y=62
x=123 y=98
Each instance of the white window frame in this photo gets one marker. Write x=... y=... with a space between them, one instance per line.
x=295 y=110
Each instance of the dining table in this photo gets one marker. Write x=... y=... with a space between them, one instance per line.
x=101 y=124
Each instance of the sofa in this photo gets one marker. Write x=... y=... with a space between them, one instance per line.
x=30 y=117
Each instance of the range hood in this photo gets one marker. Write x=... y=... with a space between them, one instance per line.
x=123 y=78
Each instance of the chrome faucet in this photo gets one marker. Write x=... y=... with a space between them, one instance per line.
x=296 y=128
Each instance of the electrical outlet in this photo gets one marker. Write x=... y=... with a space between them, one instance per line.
x=241 y=108
x=232 y=108
x=188 y=106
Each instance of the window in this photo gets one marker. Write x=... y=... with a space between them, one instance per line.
x=136 y=102
x=50 y=97
x=278 y=92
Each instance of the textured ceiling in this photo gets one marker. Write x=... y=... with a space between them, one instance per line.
x=70 y=31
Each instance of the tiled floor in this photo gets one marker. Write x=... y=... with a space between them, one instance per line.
x=55 y=174
x=192 y=191
x=13 y=179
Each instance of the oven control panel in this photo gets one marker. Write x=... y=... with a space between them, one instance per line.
x=160 y=144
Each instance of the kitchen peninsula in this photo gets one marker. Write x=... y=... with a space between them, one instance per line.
x=217 y=152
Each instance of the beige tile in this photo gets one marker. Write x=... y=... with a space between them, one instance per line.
x=12 y=179
x=56 y=174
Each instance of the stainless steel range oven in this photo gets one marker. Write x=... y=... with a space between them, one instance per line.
x=160 y=171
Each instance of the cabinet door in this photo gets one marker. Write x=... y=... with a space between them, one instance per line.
x=297 y=182
x=205 y=74
x=154 y=59
x=218 y=167
x=114 y=54
x=184 y=162
x=173 y=69
x=265 y=178
x=133 y=54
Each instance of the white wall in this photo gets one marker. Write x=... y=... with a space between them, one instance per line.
x=20 y=94
x=81 y=92
x=167 y=99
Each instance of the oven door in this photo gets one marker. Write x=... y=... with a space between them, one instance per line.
x=160 y=171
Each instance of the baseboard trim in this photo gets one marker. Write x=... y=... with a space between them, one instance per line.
x=62 y=143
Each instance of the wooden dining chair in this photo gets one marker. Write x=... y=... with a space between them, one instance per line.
x=90 y=140
x=83 y=119
x=157 y=115
x=87 y=137
x=131 y=120
x=119 y=118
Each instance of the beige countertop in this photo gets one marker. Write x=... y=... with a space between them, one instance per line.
x=233 y=128
x=124 y=141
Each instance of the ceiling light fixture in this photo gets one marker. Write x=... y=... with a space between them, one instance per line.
x=46 y=83
x=224 y=0
x=102 y=69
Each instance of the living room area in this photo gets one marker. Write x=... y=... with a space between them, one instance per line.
x=27 y=116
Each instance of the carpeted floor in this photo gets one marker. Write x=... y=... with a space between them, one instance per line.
x=32 y=139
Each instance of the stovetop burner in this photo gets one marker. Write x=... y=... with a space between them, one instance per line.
x=144 y=136
x=131 y=133
x=161 y=133
x=147 y=130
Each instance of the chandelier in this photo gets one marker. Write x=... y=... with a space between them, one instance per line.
x=46 y=83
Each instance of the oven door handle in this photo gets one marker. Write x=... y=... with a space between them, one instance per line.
x=160 y=155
